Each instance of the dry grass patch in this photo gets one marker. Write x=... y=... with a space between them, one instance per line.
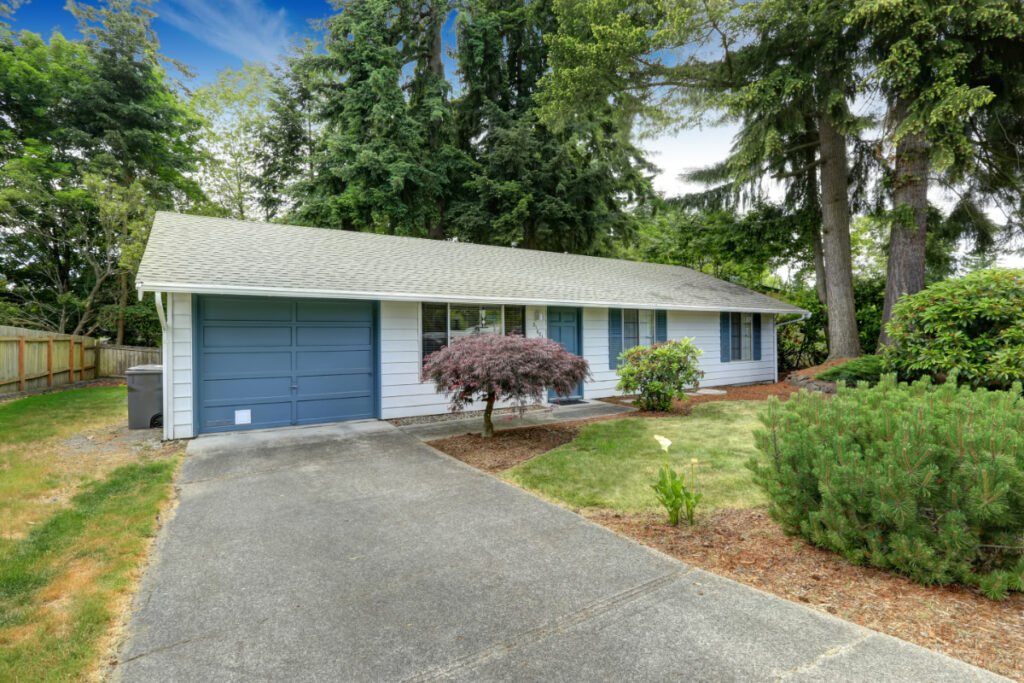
x=79 y=511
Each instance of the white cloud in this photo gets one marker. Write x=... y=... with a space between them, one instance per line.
x=243 y=28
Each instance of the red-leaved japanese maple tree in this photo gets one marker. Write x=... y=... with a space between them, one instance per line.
x=490 y=367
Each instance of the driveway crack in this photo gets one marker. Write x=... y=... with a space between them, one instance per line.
x=827 y=654
x=551 y=628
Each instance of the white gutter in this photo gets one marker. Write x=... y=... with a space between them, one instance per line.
x=233 y=290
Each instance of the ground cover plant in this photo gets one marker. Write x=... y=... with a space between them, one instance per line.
x=489 y=367
x=864 y=369
x=79 y=502
x=660 y=373
x=923 y=480
x=973 y=325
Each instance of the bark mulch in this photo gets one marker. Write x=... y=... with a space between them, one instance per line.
x=507 y=448
x=752 y=392
x=748 y=547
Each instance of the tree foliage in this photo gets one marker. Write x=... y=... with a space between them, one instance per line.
x=93 y=136
x=515 y=369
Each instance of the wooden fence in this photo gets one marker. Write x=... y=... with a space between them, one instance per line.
x=114 y=359
x=31 y=359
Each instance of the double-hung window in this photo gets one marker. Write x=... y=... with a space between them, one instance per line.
x=741 y=336
x=444 y=323
x=629 y=327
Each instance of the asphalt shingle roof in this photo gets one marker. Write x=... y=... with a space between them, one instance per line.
x=219 y=255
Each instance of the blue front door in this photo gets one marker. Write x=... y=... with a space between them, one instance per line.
x=265 y=362
x=564 y=327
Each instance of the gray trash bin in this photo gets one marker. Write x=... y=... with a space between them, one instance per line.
x=145 y=396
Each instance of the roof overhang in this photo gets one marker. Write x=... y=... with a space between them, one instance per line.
x=230 y=290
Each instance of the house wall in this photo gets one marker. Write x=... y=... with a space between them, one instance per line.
x=177 y=350
x=402 y=393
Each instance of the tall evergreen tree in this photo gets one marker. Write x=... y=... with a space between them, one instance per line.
x=533 y=187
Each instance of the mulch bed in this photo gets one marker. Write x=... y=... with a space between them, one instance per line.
x=748 y=547
x=752 y=392
x=507 y=448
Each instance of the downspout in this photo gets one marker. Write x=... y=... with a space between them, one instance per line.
x=803 y=316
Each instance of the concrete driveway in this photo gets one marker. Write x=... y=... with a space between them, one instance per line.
x=355 y=552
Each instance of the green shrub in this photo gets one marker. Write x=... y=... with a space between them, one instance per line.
x=925 y=481
x=864 y=369
x=674 y=495
x=973 y=326
x=660 y=373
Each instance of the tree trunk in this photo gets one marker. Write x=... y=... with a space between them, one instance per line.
x=909 y=233
x=812 y=201
x=843 y=340
x=122 y=306
x=488 y=412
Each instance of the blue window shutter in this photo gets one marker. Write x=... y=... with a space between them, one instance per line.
x=757 y=336
x=726 y=337
x=660 y=326
x=614 y=336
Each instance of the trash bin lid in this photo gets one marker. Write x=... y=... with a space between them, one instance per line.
x=145 y=370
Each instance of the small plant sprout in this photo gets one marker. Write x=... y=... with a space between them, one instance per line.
x=672 y=491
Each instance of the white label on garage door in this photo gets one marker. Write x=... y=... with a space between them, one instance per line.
x=243 y=417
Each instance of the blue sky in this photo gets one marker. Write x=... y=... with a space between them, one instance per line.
x=207 y=36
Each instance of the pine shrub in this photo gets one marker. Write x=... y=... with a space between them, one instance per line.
x=864 y=369
x=923 y=480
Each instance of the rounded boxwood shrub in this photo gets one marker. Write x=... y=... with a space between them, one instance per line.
x=927 y=481
x=973 y=326
x=660 y=373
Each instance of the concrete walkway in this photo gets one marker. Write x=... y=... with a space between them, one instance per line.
x=429 y=431
x=356 y=553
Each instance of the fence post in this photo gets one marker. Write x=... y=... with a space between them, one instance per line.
x=71 y=360
x=81 y=358
x=21 y=363
x=49 y=361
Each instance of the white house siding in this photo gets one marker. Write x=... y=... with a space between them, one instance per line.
x=177 y=343
x=402 y=393
x=704 y=328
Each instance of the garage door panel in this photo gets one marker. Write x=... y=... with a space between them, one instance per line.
x=261 y=416
x=352 y=384
x=310 y=362
x=327 y=410
x=244 y=363
x=245 y=308
x=361 y=335
x=266 y=363
x=248 y=336
x=334 y=311
x=248 y=389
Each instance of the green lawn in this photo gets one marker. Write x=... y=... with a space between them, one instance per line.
x=75 y=520
x=612 y=464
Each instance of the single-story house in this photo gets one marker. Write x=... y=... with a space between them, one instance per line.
x=268 y=325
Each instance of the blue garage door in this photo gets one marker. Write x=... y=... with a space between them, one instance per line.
x=273 y=362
